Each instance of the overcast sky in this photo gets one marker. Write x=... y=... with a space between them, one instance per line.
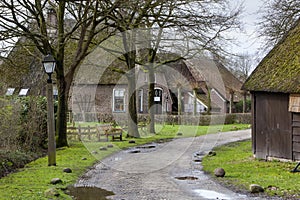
x=248 y=40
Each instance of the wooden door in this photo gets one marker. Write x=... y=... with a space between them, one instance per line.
x=273 y=126
x=296 y=136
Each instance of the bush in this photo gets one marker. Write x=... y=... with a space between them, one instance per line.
x=23 y=124
x=239 y=106
x=10 y=160
x=23 y=131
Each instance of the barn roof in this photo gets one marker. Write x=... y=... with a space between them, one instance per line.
x=279 y=71
x=217 y=76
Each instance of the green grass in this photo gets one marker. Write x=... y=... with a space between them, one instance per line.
x=32 y=181
x=242 y=170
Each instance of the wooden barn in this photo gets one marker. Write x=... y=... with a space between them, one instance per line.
x=275 y=89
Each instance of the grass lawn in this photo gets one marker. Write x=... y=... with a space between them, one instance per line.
x=34 y=179
x=242 y=170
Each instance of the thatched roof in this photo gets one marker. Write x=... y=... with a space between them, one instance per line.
x=279 y=71
x=216 y=76
x=22 y=69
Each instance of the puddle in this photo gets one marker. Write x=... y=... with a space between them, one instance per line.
x=147 y=147
x=187 y=178
x=209 y=194
x=88 y=193
x=197 y=160
x=134 y=151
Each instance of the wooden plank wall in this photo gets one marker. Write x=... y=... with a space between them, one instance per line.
x=296 y=136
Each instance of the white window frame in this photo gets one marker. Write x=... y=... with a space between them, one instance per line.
x=114 y=96
x=141 y=103
x=10 y=91
x=23 y=91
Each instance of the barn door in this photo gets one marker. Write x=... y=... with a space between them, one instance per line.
x=260 y=136
x=273 y=130
x=296 y=136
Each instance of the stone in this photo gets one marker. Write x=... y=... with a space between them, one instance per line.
x=219 y=172
x=94 y=152
x=254 y=188
x=110 y=146
x=83 y=158
x=179 y=134
x=67 y=170
x=103 y=149
x=212 y=153
x=55 y=181
x=51 y=192
x=131 y=141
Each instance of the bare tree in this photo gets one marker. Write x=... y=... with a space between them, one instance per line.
x=80 y=25
x=68 y=34
x=278 y=16
x=241 y=66
x=181 y=27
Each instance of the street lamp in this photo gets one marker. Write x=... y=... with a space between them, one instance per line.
x=49 y=66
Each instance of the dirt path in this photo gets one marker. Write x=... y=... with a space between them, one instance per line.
x=154 y=171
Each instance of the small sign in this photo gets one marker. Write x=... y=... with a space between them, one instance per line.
x=294 y=103
x=156 y=98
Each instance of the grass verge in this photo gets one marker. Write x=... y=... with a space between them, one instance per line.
x=242 y=170
x=33 y=180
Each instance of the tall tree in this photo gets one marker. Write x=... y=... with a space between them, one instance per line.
x=241 y=66
x=68 y=34
x=182 y=27
x=278 y=16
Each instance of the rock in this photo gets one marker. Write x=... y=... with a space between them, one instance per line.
x=51 y=192
x=103 y=149
x=131 y=141
x=55 y=181
x=110 y=146
x=219 y=172
x=67 y=170
x=254 y=188
x=179 y=134
x=83 y=158
x=212 y=153
x=94 y=152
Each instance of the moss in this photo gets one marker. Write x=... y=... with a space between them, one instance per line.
x=280 y=69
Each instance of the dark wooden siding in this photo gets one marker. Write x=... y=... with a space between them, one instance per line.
x=272 y=122
x=296 y=136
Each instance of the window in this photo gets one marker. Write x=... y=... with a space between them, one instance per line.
x=23 y=92
x=119 y=100
x=10 y=91
x=140 y=100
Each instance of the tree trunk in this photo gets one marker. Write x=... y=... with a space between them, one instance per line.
x=151 y=107
x=244 y=101
x=61 y=120
x=179 y=100
x=132 y=113
x=231 y=102
x=195 y=102
x=208 y=100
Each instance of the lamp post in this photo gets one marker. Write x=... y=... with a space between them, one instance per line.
x=49 y=66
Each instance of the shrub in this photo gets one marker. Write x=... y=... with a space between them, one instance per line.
x=23 y=124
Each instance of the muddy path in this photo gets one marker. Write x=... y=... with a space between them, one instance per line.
x=167 y=171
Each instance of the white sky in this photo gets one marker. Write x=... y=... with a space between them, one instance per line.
x=247 y=41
